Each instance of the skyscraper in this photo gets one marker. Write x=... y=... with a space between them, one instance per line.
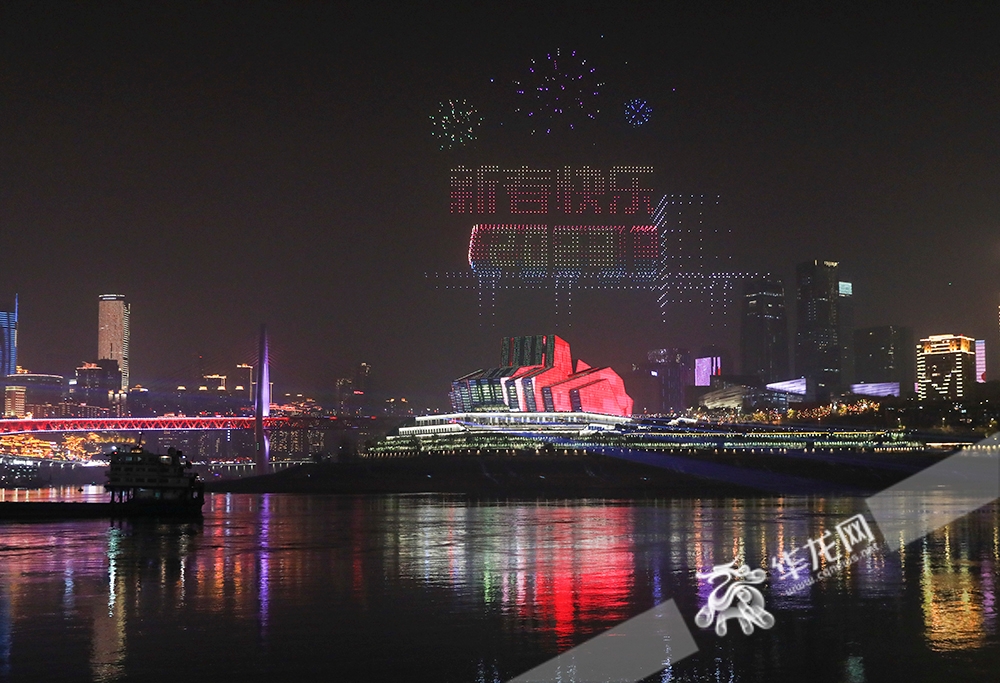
x=845 y=331
x=981 y=361
x=113 y=331
x=883 y=355
x=764 y=335
x=817 y=335
x=946 y=366
x=8 y=341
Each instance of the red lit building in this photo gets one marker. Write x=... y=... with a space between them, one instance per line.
x=537 y=374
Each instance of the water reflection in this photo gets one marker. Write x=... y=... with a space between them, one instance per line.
x=380 y=587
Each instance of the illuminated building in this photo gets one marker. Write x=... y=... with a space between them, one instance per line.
x=884 y=355
x=8 y=341
x=343 y=390
x=675 y=372
x=40 y=390
x=981 y=360
x=795 y=387
x=877 y=389
x=113 y=332
x=537 y=374
x=140 y=402
x=13 y=401
x=662 y=383
x=817 y=335
x=99 y=384
x=946 y=367
x=845 y=331
x=705 y=369
x=362 y=378
x=764 y=335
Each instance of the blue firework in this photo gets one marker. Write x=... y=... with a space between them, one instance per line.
x=637 y=112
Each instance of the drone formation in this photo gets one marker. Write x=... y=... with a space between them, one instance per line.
x=566 y=228
x=637 y=112
x=560 y=93
x=455 y=123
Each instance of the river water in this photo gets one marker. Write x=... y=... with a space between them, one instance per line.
x=431 y=588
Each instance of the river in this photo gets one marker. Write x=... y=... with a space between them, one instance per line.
x=434 y=588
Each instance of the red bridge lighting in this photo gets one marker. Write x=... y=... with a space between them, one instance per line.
x=138 y=424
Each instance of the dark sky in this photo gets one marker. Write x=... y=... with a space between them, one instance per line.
x=226 y=164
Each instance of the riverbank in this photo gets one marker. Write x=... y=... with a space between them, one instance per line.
x=589 y=475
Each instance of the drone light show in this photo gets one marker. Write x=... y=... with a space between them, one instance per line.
x=455 y=123
x=560 y=92
x=571 y=228
x=568 y=227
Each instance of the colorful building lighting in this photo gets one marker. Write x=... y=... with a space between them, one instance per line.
x=981 y=360
x=538 y=375
x=946 y=366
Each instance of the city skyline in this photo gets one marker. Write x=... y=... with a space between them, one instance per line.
x=292 y=191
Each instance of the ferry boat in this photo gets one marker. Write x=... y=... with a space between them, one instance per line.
x=143 y=483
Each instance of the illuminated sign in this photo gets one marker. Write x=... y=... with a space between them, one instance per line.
x=792 y=386
x=569 y=227
x=568 y=191
x=564 y=251
x=846 y=288
x=876 y=389
x=705 y=369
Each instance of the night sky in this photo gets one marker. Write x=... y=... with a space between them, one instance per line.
x=225 y=164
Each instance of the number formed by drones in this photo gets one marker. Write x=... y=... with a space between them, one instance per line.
x=560 y=93
x=637 y=112
x=455 y=123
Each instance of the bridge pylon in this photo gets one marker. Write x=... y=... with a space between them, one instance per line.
x=262 y=407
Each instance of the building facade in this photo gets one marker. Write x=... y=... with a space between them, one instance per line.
x=538 y=374
x=113 y=332
x=8 y=341
x=99 y=384
x=764 y=332
x=817 y=333
x=845 y=332
x=946 y=367
x=39 y=390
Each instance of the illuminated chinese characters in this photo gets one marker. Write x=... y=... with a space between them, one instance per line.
x=852 y=533
x=539 y=250
x=567 y=191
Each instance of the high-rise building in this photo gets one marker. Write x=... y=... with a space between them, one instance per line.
x=673 y=369
x=764 y=335
x=845 y=331
x=981 y=361
x=40 y=390
x=362 y=378
x=113 y=332
x=946 y=367
x=817 y=334
x=99 y=384
x=14 y=401
x=884 y=355
x=8 y=341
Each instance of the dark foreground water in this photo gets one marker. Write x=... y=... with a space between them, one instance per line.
x=415 y=588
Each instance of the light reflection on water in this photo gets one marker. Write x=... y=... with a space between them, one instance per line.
x=428 y=588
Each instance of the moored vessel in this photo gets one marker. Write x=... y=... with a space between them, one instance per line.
x=141 y=482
